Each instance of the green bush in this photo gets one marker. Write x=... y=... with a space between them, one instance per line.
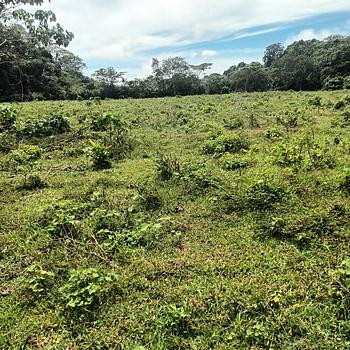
x=263 y=195
x=233 y=124
x=101 y=156
x=198 y=176
x=232 y=162
x=52 y=124
x=167 y=166
x=86 y=288
x=116 y=133
x=288 y=121
x=8 y=117
x=61 y=224
x=38 y=281
x=33 y=182
x=23 y=156
x=289 y=153
x=342 y=103
x=226 y=144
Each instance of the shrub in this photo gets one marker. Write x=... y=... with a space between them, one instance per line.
x=167 y=166
x=85 y=288
x=24 y=155
x=273 y=134
x=315 y=101
x=183 y=117
x=226 y=143
x=233 y=124
x=8 y=117
x=263 y=195
x=33 y=182
x=62 y=224
x=101 y=156
x=289 y=154
x=38 y=281
x=198 y=176
x=345 y=101
x=305 y=227
x=117 y=132
x=52 y=124
x=176 y=320
x=288 y=121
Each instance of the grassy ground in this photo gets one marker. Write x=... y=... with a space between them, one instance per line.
x=222 y=223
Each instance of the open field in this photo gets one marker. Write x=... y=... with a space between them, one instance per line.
x=209 y=222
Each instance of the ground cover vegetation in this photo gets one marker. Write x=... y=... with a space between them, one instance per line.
x=206 y=222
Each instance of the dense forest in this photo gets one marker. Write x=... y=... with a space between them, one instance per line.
x=35 y=65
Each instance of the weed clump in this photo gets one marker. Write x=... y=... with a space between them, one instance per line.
x=52 y=124
x=263 y=195
x=33 y=182
x=86 y=288
x=226 y=144
x=8 y=117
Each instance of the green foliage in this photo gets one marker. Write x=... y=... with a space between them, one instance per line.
x=38 y=281
x=21 y=158
x=101 y=156
x=226 y=143
x=52 y=124
x=60 y=223
x=33 y=182
x=345 y=183
x=176 y=320
x=315 y=101
x=233 y=124
x=117 y=133
x=333 y=83
x=343 y=102
x=233 y=162
x=167 y=166
x=309 y=226
x=149 y=196
x=289 y=154
x=288 y=120
x=8 y=117
x=264 y=195
x=207 y=258
x=197 y=176
x=86 y=288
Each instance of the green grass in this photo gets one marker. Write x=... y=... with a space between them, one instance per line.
x=224 y=225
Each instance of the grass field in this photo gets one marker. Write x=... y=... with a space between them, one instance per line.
x=209 y=222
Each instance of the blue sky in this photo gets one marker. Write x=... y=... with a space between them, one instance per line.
x=126 y=34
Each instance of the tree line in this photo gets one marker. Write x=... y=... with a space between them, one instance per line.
x=35 y=65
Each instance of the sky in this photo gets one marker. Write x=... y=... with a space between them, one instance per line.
x=127 y=34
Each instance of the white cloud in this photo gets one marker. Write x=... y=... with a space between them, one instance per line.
x=208 y=53
x=127 y=29
x=309 y=34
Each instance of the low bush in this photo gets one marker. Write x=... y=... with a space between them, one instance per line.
x=8 y=117
x=167 y=166
x=226 y=144
x=263 y=195
x=51 y=124
x=86 y=288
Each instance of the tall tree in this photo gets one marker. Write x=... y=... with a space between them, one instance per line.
x=273 y=53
